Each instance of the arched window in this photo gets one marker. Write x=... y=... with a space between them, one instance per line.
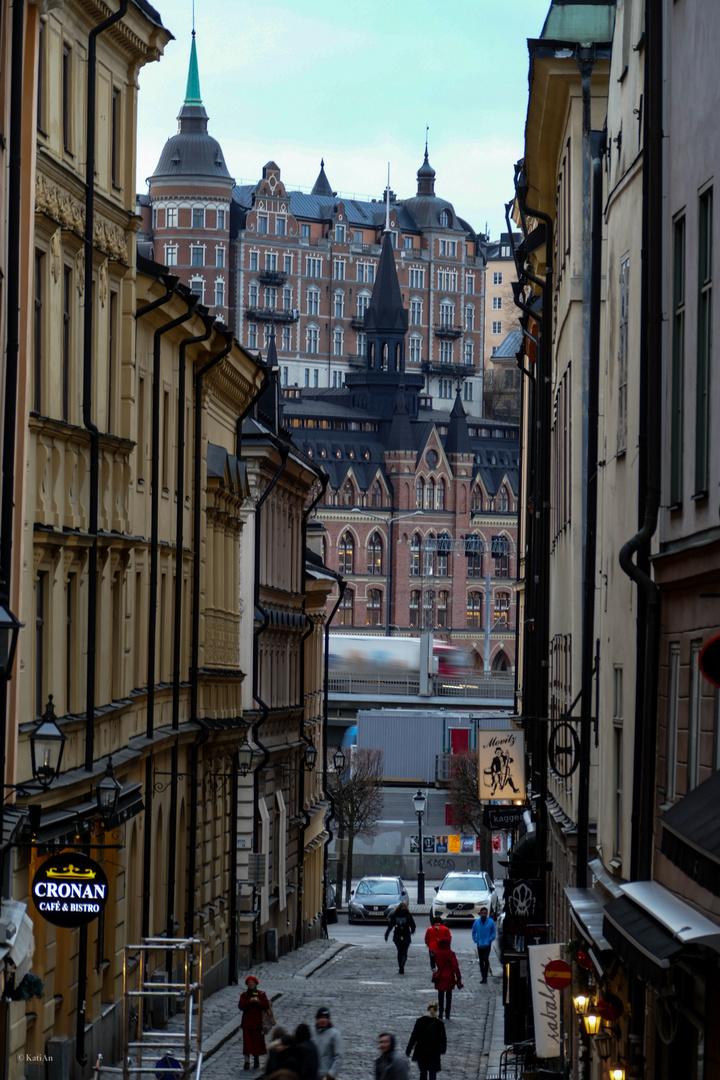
x=346 y=609
x=502 y=608
x=346 y=553
x=440 y=495
x=474 y=554
x=374 y=608
x=469 y=316
x=415 y=607
x=442 y=608
x=476 y=504
x=430 y=495
x=445 y=220
x=419 y=493
x=374 y=554
x=500 y=663
x=503 y=500
x=474 y=609
x=500 y=547
x=339 y=304
x=429 y=552
x=376 y=494
x=444 y=548
x=415 y=555
x=348 y=494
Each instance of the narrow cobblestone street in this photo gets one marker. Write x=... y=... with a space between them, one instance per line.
x=361 y=986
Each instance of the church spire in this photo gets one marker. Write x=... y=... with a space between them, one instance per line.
x=192 y=92
x=426 y=174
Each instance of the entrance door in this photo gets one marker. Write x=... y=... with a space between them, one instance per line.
x=459 y=739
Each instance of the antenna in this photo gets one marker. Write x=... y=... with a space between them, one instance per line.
x=427 y=129
x=387 y=202
x=193 y=18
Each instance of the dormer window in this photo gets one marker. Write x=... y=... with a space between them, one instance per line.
x=445 y=219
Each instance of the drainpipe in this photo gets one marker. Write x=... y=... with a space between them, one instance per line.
x=326 y=671
x=209 y=321
x=80 y=1055
x=597 y=149
x=194 y=676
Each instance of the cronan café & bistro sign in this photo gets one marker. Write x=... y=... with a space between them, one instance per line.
x=70 y=890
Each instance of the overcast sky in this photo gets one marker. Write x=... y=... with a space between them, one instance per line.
x=354 y=82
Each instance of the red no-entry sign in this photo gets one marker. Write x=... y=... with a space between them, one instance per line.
x=558 y=974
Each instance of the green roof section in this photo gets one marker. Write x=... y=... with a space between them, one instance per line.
x=192 y=93
x=580 y=23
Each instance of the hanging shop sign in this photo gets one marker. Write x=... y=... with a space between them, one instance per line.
x=563 y=750
x=710 y=660
x=545 y=1001
x=503 y=817
x=501 y=765
x=70 y=890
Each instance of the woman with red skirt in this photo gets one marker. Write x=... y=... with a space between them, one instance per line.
x=252 y=1004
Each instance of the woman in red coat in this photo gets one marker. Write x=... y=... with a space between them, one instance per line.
x=446 y=975
x=253 y=1003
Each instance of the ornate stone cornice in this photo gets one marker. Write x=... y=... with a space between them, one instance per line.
x=229 y=386
x=68 y=211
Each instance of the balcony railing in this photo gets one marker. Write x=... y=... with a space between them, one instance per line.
x=265 y=314
x=447 y=367
x=357 y=322
x=447 y=330
x=272 y=277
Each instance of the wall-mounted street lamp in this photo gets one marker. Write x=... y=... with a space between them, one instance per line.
x=604 y=1044
x=592 y=1023
x=107 y=793
x=339 y=760
x=309 y=757
x=617 y=1073
x=47 y=743
x=581 y=1003
x=419 y=804
x=9 y=630
x=244 y=756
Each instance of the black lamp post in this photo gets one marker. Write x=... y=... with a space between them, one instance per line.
x=244 y=757
x=419 y=803
x=107 y=793
x=47 y=743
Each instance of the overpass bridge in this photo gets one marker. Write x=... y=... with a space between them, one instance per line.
x=348 y=693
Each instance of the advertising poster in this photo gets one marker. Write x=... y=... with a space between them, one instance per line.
x=454 y=844
x=441 y=845
x=414 y=845
x=546 y=1001
x=467 y=845
x=501 y=765
x=428 y=845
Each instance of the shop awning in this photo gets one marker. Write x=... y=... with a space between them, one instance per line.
x=587 y=913
x=17 y=941
x=691 y=834
x=639 y=940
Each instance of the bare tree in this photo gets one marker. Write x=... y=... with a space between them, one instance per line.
x=357 y=804
x=467 y=809
x=501 y=402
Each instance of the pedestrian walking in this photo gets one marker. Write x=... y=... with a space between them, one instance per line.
x=391 y=1065
x=446 y=976
x=283 y=1054
x=433 y=935
x=252 y=1004
x=403 y=927
x=328 y=1043
x=483 y=934
x=307 y=1053
x=428 y=1042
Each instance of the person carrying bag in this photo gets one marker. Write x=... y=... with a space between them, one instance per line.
x=446 y=976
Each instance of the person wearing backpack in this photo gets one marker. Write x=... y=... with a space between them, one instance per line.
x=446 y=976
x=402 y=925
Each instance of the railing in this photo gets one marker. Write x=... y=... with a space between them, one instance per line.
x=499 y=688
x=265 y=314
x=272 y=277
x=447 y=330
x=357 y=322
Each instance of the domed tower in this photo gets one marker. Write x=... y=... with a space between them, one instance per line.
x=190 y=196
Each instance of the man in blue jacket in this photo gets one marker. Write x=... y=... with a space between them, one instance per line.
x=483 y=934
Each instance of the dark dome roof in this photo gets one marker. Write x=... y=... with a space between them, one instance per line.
x=426 y=209
x=191 y=152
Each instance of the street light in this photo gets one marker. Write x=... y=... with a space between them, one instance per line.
x=244 y=757
x=309 y=757
x=9 y=630
x=339 y=760
x=107 y=793
x=388 y=542
x=47 y=743
x=419 y=803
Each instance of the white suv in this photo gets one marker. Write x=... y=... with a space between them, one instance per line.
x=462 y=895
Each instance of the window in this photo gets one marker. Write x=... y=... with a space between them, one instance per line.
x=346 y=608
x=376 y=494
x=358 y=236
x=677 y=364
x=446 y=352
x=448 y=247
x=415 y=555
x=339 y=304
x=366 y=273
x=270 y=296
x=500 y=549
x=253 y=294
x=38 y=329
x=440 y=495
x=361 y=344
x=313 y=302
x=197 y=255
x=66 y=341
x=468 y=348
x=338 y=341
x=340 y=233
x=285 y=376
x=305 y=230
x=41 y=76
x=312 y=338
x=115 y=137
x=469 y=283
x=252 y=335
x=445 y=388
x=429 y=550
x=444 y=549
x=262 y=223
x=198 y=217
x=467 y=391
x=270 y=261
x=623 y=354
x=279 y=226
x=496 y=327
x=363 y=303
x=502 y=501
x=415 y=607
x=702 y=380
x=416 y=307
x=694 y=715
x=374 y=554
x=220 y=293
x=254 y=260
x=469 y=316
x=497 y=277
x=286 y=339
x=474 y=609
x=416 y=278
x=505 y=251
x=447 y=280
x=415 y=349
x=315 y=376
x=287 y=298
x=419 y=493
x=313 y=267
x=67 y=98
x=476 y=500
x=219 y=256
x=502 y=608
x=307 y=376
x=407 y=242
x=339 y=269
x=673 y=701
x=197 y=286
x=447 y=313
x=171 y=217
x=287 y=264
x=445 y=219
x=346 y=547
x=430 y=494
x=473 y=554
x=442 y=608
x=220 y=221
x=497 y=303
x=374 y=608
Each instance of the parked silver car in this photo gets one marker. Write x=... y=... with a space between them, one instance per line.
x=375 y=899
x=463 y=894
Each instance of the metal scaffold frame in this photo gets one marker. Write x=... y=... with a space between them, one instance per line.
x=141 y=964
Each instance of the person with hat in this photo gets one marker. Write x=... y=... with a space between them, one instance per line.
x=328 y=1043
x=252 y=1004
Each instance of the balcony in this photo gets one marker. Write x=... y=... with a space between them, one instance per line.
x=266 y=314
x=365 y=249
x=447 y=330
x=459 y=371
x=272 y=277
x=358 y=322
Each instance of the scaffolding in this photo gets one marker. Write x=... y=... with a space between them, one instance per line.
x=171 y=1054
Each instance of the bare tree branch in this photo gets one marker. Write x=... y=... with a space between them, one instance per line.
x=358 y=801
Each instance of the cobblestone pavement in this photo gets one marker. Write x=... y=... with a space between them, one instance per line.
x=361 y=987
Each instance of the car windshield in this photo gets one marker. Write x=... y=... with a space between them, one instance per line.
x=464 y=884
x=377 y=887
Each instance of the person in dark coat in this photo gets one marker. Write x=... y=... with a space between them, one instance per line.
x=252 y=1004
x=402 y=925
x=307 y=1053
x=446 y=976
x=283 y=1054
x=391 y=1065
x=428 y=1042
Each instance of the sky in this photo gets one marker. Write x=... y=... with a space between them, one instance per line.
x=355 y=82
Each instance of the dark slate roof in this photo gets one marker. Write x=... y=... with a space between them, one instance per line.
x=322 y=184
x=385 y=312
x=218 y=459
x=426 y=210
x=509 y=346
x=400 y=435
x=149 y=11
x=191 y=154
x=457 y=440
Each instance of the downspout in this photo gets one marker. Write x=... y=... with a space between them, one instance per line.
x=209 y=321
x=203 y=734
x=326 y=671
x=80 y=1055
x=324 y=479
x=643 y=807
x=597 y=149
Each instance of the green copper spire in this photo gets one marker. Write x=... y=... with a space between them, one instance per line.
x=192 y=94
